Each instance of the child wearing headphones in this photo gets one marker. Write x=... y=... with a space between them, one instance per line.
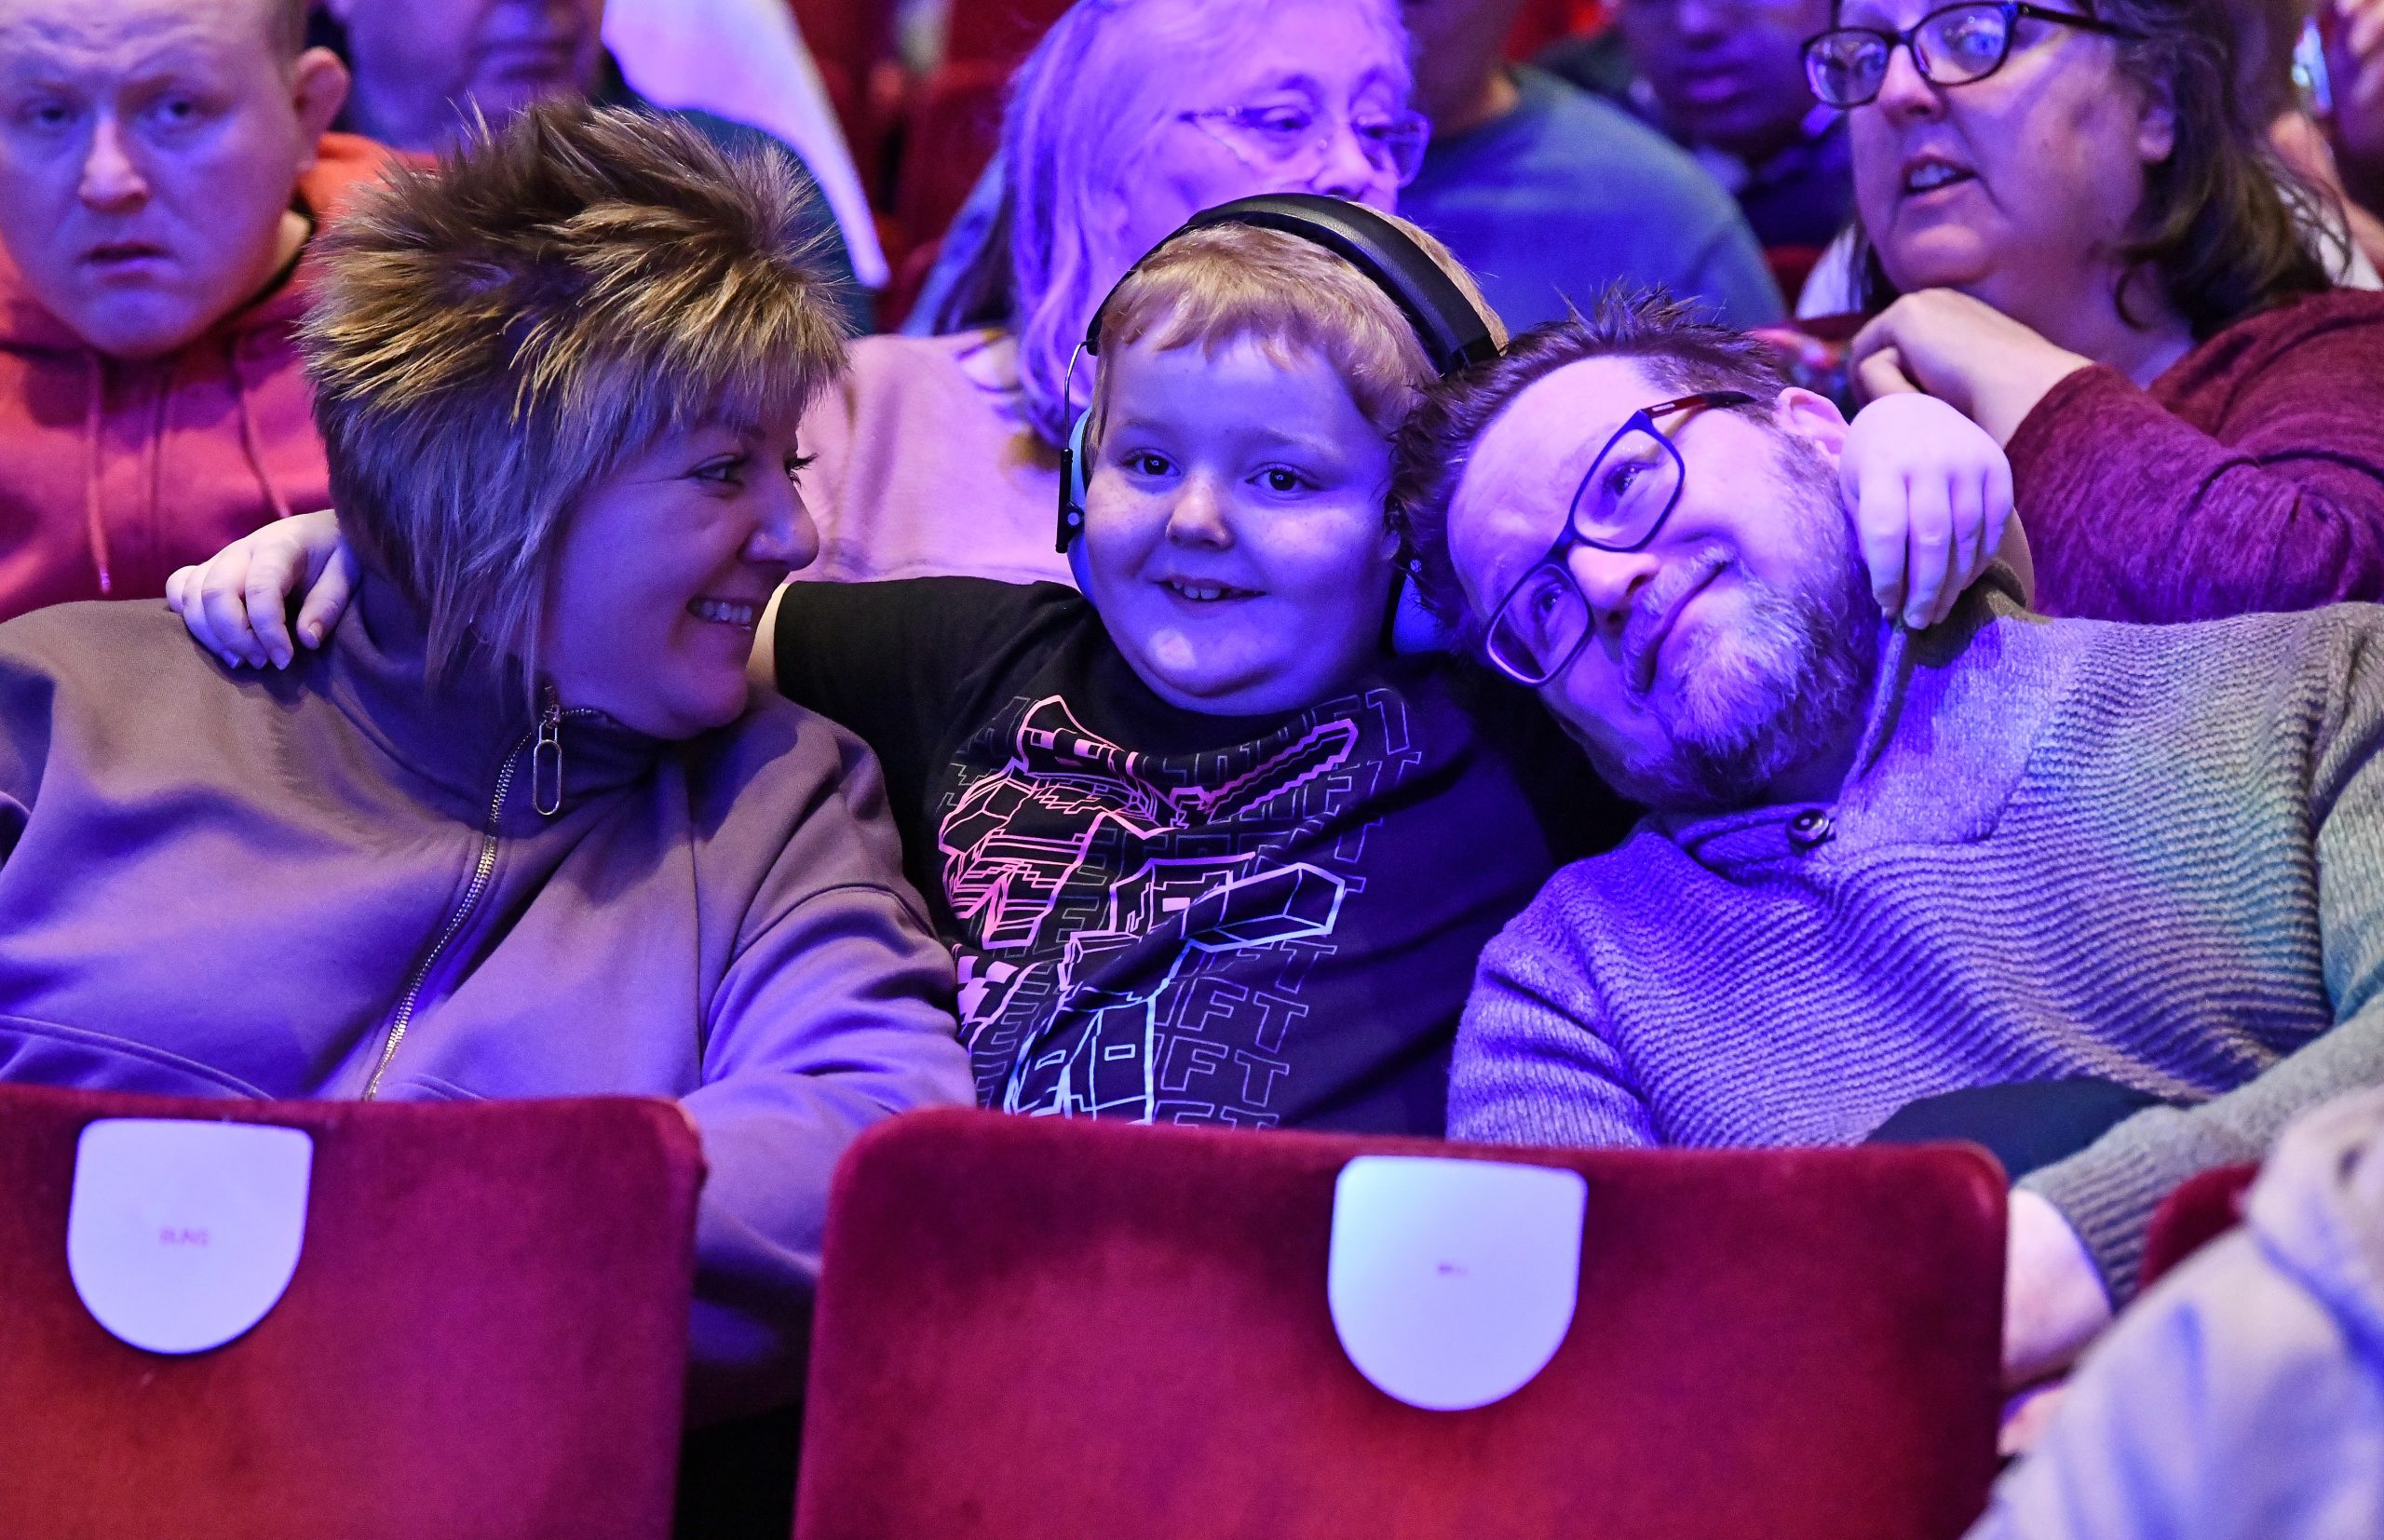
x=1208 y=848
x=1208 y=851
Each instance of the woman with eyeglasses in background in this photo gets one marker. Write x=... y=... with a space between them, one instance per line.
x=940 y=455
x=2073 y=232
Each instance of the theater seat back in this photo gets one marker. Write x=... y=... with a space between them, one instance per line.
x=1048 y=1327
x=485 y=1334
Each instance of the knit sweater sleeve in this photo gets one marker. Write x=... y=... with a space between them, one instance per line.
x=2108 y=1190
x=1534 y=1061
x=2136 y=514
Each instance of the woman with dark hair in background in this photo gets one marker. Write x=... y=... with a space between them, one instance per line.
x=2075 y=235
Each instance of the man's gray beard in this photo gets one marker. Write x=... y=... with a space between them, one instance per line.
x=1795 y=675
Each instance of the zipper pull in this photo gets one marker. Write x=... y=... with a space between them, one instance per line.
x=545 y=760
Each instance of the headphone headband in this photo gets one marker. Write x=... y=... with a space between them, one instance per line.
x=1450 y=330
x=1444 y=320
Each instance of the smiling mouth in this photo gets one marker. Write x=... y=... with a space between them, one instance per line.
x=1653 y=620
x=727 y=612
x=1206 y=593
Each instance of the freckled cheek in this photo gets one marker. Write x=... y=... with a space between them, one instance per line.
x=1344 y=548
x=1121 y=533
x=1111 y=567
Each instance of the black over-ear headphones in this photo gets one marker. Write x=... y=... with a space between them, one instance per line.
x=1452 y=331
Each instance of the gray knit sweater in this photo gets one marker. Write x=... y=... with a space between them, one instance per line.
x=2153 y=854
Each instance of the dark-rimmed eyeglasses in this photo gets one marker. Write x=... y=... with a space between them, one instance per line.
x=1846 y=66
x=1621 y=505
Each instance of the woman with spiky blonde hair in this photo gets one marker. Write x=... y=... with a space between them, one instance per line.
x=516 y=827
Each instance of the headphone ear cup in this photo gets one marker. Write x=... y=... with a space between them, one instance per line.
x=1072 y=484
x=1072 y=479
x=1078 y=473
x=1414 y=627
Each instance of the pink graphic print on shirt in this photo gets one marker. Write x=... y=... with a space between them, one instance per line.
x=1139 y=935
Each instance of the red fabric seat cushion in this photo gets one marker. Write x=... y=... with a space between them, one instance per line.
x=1045 y=1327
x=487 y=1334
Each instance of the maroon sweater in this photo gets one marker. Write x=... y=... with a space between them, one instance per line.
x=2249 y=477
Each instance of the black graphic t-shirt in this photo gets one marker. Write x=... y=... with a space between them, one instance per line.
x=1170 y=917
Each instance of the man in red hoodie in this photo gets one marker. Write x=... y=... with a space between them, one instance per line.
x=163 y=164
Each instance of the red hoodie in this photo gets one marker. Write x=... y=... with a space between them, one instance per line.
x=116 y=473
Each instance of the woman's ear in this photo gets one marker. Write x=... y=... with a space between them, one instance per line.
x=2156 y=130
x=1813 y=418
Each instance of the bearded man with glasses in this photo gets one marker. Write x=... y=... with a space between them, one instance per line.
x=2109 y=899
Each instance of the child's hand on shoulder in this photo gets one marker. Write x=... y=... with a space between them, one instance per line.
x=1932 y=496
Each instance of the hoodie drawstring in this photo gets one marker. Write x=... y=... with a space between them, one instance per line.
x=156 y=526
x=95 y=451
x=249 y=439
x=92 y=419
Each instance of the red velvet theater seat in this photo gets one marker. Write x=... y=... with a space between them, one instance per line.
x=1036 y=1326
x=485 y=1335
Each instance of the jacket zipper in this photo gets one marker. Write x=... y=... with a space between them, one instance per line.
x=548 y=750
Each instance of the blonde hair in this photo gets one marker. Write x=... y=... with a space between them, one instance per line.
x=491 y=338
x=1228 y=283
x=1085 y=106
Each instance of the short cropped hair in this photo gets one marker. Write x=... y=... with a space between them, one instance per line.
x=1228 y=283
x=1681 y=352
x=491 y=338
